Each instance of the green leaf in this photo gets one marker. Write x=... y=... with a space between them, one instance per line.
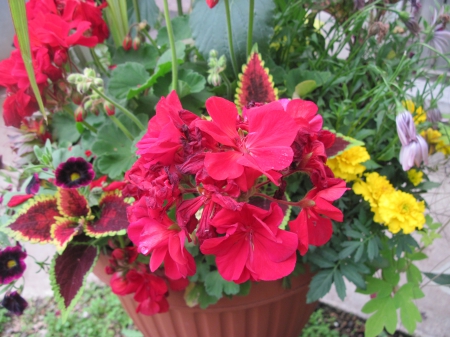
x=64 y=128
x=125 y=77
x=209 y=28
x=372 y=249
x=441 y=279
x=385 y=316
x=377 y=286
x=195 y=81
x=428 y=185
x=159 y=72
x=215 y=285
x=205 y=299
x=410 y=315
x=352 y=274
x=180 y=47
x=148 y=9
x=350 y=247
x=115 y=151
x=391 y=275
x=298 y=75
x=339 y=284
x=19 y=17
x=320 y=285
x=304 y=88
x=146 y=55
x=181 y=30
x=244 y=288
x=413 y=274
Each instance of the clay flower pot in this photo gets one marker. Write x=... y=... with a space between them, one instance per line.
x=268 y=311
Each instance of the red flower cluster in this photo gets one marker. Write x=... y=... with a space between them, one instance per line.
x=54 y=26
x=210 y=171
x=130 y=276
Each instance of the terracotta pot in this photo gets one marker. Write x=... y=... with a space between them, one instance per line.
x=268 y=311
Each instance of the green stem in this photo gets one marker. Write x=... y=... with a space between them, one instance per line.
x=89 y=126
x=121 y=242
x=97 y=62
x=127 y=112
x=136 y=9
x=251 y=14
x=180 y=8
x=121 y=127
x=227 y=84
x=172 y=46
x=152 y=41
x=230 y=38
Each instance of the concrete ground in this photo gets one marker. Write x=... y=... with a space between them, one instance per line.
x=435 y=307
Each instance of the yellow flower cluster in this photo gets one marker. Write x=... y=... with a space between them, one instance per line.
x=348 y=164
x=418 y=113
x=415 y=176
x=435 y=141
x=395 y=209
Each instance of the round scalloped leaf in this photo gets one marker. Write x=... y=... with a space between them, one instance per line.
x=34 y=221
x=113 y=218
x=71 y=203
x=63 y=232
x=255 y=83
x=68 y=274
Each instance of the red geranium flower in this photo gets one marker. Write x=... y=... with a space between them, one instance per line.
x=253 y=247
x=263 y=144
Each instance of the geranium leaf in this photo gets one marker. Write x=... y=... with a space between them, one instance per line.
x=209 y=27
x=71 y=203
x=216 y=285
x=125 y=77
x=181 y=30
x=146 y=55
x=33 y=222
x=63 y=128
x=68 y=274
x=115 y=151
x=63 y=231
x=162 y=69
x=341 y=144
x=113 y=217
x=255 y=84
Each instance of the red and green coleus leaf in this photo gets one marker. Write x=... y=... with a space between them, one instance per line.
x=113 y=216
x=341 y=144
x=63 y=231
x=34 y=221
x=71 y=203
x=255 y=83
x=68 y=274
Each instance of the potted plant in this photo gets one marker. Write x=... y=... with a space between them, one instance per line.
x=140 y=164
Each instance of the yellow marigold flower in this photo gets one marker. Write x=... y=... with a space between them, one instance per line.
x=399 y=210
x=435 y=141
x=372 y=190
x=347 y=165
x=415 y=176
x=419 y=114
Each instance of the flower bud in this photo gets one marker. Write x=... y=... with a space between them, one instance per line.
x=126 y=44
x=62 y=85
x=73 y=78
x=60 y=57
x=143 y=25
x=98 y=82
x=110 y=109
x=212 y=3
x=136 y=43
x=79 y=114
x=76 y=97
x=89 y=72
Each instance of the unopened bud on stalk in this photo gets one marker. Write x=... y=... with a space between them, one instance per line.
x=73 y=78
x=143 y=25
x=109 y=108
x=79 y=114
x=95 y=110
x=136 y=43
x=60 y=57
x=76 y=97
x=62 y=85
x=126 y=44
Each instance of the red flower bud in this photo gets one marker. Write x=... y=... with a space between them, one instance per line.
x=212 y=3
x=109 y=270
x=79 y=114
x=126 y=44
x=76 y=97
x=88 y=153
x=109 y=108
x=136 y=43
x=60 y=57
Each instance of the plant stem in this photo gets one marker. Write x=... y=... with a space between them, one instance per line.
x=284 y=202
x=153 y=42
x=230 y=38
x=121 y=127
x=251 y=14
x=227 y=84
x=180 y=8
x=97 y=62
x=127 y=112
x=121 y=242
x=172 y=46
x=136 y=9
x=89 y=126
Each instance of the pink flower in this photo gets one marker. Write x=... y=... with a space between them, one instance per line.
x=152 y=231
x=263 y=144
x=414 y=149
x=313 y=225
x=253 y=247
